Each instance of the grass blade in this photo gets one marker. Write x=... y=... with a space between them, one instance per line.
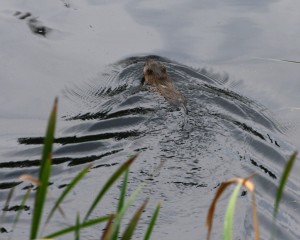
x=109 y=183
x=72 y=184
x=152 y=222
x=21 y=208
x=108 y=229
x=282 y=182
x=40 y=199
x=49 y=135
x=228 y=221
x=246 y=183
x=210 y=214
x=123 y=191
x=120 y=215
x=44 y=174
x=82 y=225
x=254 y=217
x=6 y=205
x=77 y=228
x=121 y=201
x=133 y=223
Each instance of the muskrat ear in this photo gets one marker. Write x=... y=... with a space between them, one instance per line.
x=149 y=71
x=163 y=69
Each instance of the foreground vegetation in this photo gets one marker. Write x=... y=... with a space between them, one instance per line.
x=114 y=220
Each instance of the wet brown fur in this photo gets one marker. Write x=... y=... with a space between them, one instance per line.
x=156 y=75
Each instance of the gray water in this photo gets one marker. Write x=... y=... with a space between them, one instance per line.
x=242 y=108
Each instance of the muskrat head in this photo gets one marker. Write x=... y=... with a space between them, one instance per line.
x=154 y=72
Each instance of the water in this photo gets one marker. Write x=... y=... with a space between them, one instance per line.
x=233 y=128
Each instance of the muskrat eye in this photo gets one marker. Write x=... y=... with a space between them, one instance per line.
x=163 y=69
x=149 y=71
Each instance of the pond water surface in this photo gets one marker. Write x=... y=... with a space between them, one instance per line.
x=242 y=118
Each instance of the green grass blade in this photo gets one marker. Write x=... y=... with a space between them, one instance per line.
x=121 y=201
x=19 y=211
x=123 y=191
x=109 y=183
x=127 y=204
x=82 y=225
x=228 y=221
x=72 y=184
x=77 y=228
x=133 y=223
x=49 y=137
x=152 y=223
x=9 y=197
x=6 y=205
x=108 y=229
x=44 y=174
x=40 y=199
x=282 y=182
x=21 y=208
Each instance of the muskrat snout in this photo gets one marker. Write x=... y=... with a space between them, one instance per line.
x=148 y=70
x=154 y=71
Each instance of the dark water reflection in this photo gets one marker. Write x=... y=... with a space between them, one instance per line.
x=108 y=114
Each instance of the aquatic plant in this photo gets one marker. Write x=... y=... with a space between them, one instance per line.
x=229 y=215
x=113 y=220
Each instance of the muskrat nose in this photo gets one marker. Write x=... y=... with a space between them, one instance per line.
x=145 y=70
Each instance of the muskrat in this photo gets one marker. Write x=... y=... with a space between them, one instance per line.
x=155 y=74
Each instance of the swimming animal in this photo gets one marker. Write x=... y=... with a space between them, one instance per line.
x=155 y=75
